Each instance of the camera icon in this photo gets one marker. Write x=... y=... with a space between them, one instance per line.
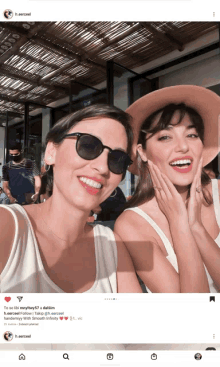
x=21 y=357
x=110 y=356
x=153 y=356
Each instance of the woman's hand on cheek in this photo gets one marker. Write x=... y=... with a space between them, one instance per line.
x=169 y=200
x=194 y=203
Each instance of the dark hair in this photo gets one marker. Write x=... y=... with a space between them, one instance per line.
x=14 y=145
x=213 y=166
x=144 y=190
x=63 y=126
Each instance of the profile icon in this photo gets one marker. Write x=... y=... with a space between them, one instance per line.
x=8 y=14
x=198 y=356
x=110 y=356
x=8 y=336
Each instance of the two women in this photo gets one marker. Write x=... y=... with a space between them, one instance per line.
x=171 y=227
x=49 y=247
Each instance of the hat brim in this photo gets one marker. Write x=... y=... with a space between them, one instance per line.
x=204 y=101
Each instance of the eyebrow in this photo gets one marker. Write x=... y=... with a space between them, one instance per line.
x=169 y=127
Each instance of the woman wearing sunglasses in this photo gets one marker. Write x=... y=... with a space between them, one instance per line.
x=49 y=247
x=171 y=225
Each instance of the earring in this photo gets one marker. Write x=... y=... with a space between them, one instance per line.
x=113 y=193
x=47 y=166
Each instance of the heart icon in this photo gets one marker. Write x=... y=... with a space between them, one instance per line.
x=66 y=318
x=7 y=299
x=61 y=318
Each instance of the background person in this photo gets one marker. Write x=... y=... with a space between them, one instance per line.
x=3 y=197
x=171 y=227
x=46 y=190
x=21 y=177
x=113 y=206
x=57 y=250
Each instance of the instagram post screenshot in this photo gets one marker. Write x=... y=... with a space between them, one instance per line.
x=109 y=183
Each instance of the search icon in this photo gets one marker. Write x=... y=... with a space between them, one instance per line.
x=65 y=356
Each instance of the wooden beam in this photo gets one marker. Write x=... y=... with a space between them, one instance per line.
x=15 y=74
x=15 y=48
x=118 y=38
x=100 y=64
x=114 y=42
x=57 y=72
x=21 y=101
x=33 y=36
x=35 y=59
x=24 y=38
x=11 y=113
x=163 y=36
x=6 y=98
x=83 y=57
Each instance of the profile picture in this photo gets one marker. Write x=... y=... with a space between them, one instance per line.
x=198 y=356
x=8 y=14
x=110 y=356
x=8 y=336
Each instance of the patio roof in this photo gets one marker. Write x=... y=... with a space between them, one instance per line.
x=39 y=59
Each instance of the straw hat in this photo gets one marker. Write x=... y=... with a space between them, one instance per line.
x=204 y=101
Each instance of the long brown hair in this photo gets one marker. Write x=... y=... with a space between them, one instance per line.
x=144 y=190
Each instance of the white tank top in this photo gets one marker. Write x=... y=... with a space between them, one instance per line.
x=24 y=271
x=171 y=257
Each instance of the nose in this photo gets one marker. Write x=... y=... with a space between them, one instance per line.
x=100 y=163
x=182 y=145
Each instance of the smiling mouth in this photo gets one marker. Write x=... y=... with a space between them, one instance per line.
x=91 y=186
x=182 y=165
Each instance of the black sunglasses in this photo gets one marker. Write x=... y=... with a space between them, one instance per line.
x=89 y=147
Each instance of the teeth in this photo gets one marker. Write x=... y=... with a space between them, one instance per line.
x=182 y=161
x=90 y=182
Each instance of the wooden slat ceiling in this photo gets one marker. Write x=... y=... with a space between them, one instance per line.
x=38 y=59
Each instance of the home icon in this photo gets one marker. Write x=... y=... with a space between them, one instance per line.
x=21 y=357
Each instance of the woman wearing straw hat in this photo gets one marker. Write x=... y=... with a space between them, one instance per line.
x=171 y=227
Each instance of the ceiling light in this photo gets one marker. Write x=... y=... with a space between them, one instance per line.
x=26 y=26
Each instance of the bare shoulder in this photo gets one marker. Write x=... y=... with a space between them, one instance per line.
x=7 y=230
x=131 y=227
x=126 y=221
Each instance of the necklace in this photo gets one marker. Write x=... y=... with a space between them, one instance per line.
x=50 y=228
